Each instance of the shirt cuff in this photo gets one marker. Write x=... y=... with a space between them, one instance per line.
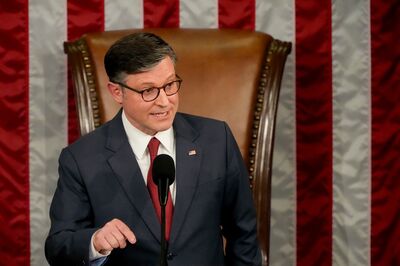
x=93 y=254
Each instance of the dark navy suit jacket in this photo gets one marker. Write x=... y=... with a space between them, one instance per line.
x=99 y=179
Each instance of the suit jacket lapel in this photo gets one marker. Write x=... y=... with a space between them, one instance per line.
x=128 y=173
x=188 y=158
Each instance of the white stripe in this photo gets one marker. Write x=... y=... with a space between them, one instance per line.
x=47 y=113
x=276 y=18
x=198 y=14
x=351 y=132
x=123 y=14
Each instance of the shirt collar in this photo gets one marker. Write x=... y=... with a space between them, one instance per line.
x=139 y=140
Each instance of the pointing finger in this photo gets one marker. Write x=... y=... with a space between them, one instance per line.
x=126 y=232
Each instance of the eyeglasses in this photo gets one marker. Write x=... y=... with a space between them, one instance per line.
x=150 y=94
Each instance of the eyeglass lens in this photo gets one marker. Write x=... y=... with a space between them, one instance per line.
x=170 y=88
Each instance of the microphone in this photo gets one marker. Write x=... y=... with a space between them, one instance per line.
x=163 y=175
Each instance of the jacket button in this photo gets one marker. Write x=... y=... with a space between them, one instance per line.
x=170 y=256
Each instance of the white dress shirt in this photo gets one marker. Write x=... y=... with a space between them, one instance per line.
x=139 y=141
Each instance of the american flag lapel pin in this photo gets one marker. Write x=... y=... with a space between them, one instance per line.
x=192 y=152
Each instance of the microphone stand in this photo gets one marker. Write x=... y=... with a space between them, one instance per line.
x=163 y=197
x=163 y=257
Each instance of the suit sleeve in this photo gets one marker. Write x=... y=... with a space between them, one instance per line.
x=239 y=215
x=71 y=217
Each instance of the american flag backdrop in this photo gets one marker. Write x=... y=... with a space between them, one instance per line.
x=336 y=171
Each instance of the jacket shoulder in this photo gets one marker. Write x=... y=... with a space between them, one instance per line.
x=199 y=121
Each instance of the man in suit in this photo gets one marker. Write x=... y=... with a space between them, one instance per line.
x=102 y=212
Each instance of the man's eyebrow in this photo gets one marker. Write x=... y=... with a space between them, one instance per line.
x=152 y=84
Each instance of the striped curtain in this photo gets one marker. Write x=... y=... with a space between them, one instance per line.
x=336 y=171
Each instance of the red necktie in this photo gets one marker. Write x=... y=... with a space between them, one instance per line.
x=153 y=149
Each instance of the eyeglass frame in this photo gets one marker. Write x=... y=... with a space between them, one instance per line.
x=141 y=92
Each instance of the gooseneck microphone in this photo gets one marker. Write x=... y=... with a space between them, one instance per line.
x=163 y=176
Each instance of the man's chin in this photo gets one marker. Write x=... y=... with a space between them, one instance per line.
x=162 y=126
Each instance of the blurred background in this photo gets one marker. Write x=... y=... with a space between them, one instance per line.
x=336 y=171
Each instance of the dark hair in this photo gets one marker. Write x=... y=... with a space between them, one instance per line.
x=135 y=53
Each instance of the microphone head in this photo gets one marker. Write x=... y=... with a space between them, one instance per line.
x=163 y=169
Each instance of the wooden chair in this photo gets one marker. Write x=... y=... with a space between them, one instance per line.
x=232 y=75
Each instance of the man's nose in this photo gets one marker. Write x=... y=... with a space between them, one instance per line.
x=162 y=98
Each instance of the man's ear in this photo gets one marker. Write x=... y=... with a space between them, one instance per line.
x=116 y=92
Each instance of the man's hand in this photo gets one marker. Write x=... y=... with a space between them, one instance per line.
x=113 y=234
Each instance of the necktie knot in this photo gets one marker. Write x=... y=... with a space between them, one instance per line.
x=153 y=145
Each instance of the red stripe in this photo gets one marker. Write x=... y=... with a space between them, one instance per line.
x=385 y=50
x=83 y=16
x=236 y=14
x=161 y=13
x=14 y=133
x=314 y=132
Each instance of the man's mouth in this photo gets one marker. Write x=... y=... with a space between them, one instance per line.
x=160 y=114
